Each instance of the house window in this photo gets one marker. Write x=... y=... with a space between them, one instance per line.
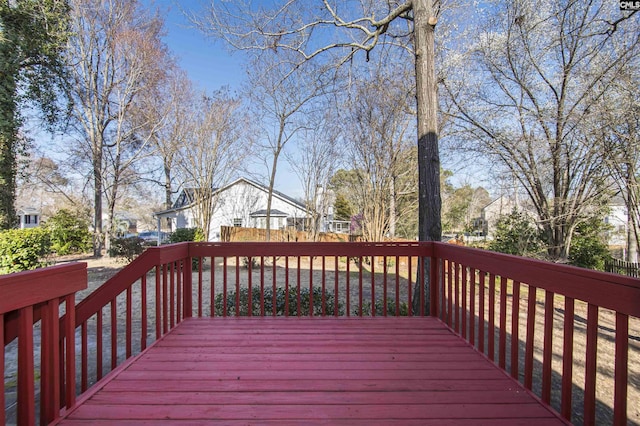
x=27 y=218
x=237 y=222
x=35 y=219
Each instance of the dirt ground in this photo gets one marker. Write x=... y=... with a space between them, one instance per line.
x=100 y=270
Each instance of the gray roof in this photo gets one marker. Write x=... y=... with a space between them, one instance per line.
x=263 y=213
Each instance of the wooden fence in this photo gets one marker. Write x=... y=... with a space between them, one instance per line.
x=621 y=267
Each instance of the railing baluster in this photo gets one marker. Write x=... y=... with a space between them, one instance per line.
x=567 y=358
x=262 y=286
x=360 y=286
x=249 y=287
x=286 y=286
x=531 y=327
x=464 y=301
x=590 y=365
x=409 y=287
x=515 y=319
x=99 y=337
x=143 y=312
x=237 y=286
x=481 y=295
x=172 y=295
x=472 y=306
x=212 y=297
x=224 y=286
x=84 y=358
x=114 y=335
x=70 y=358
x=310 y=286
x=336 y=277
x=299 y=287
x=397 y=289
x=49 y=362
x=158 y=302
x=492 y=316
x=128 y=328
x=26 y=391
x=348 y=286
x=165 y=300
x=384 y=286
x=373 y=286
x=274 y=271
x=449 y=295
x=502 y=339
x=457 y=272
x=201 y=284
x=621 y=370
x=548 y=346
x=2 y=399
x=323 y=295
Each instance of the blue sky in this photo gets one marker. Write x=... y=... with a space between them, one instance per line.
x=211 y=66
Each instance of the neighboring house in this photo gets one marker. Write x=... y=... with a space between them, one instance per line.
x=499 y=207
x=29 y=217
x=616 y=218
x=617 y=221
x=242 y=203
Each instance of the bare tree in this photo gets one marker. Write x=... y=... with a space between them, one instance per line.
x=111 y=57
x=617 y=125
x=163 y=112
x=377 y=128
x=316 y=159
x=336 y=33
x=280 y=101
x=538 y=72
x=214 y=146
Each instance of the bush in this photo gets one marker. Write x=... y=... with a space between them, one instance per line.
x=126 y=248
x=186 y=234
x=281 y=298
x=403 y=308
x=516 y=234
x=23 y=249
x=588 y=248
x=69 y=233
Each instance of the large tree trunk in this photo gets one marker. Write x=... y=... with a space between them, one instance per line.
x=97 y=199
x=167 y=192
x=429 y=223
x=8 y=135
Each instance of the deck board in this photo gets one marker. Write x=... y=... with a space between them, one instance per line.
x=310 y=370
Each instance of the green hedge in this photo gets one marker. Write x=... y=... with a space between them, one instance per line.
x=23 y=249
x=281 y=298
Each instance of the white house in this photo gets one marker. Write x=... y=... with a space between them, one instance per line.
x=29 y=217
x=241 y=203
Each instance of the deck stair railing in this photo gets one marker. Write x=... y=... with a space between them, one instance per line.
x=574 y=355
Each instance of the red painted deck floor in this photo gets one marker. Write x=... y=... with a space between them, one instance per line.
x=310 y=370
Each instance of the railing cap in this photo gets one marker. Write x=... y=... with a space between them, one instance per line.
x=29 y=288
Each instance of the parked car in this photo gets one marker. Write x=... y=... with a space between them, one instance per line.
x=151 y=237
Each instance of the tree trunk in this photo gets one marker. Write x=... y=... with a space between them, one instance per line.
x=167 y=192
x=429 y=202
x=97 y=199
x=8 y=135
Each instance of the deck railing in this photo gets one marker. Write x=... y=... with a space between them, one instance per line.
x=38 y=297
x=571 y=356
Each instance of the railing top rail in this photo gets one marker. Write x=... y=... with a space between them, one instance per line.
x=150 y=258
x=29 y=288
x=617 y=292
x=352 y=249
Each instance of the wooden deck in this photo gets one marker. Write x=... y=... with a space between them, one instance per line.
x=310 y=370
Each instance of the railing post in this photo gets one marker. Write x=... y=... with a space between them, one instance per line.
x=26 y=398
x=187 y=279
x=434 y=285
